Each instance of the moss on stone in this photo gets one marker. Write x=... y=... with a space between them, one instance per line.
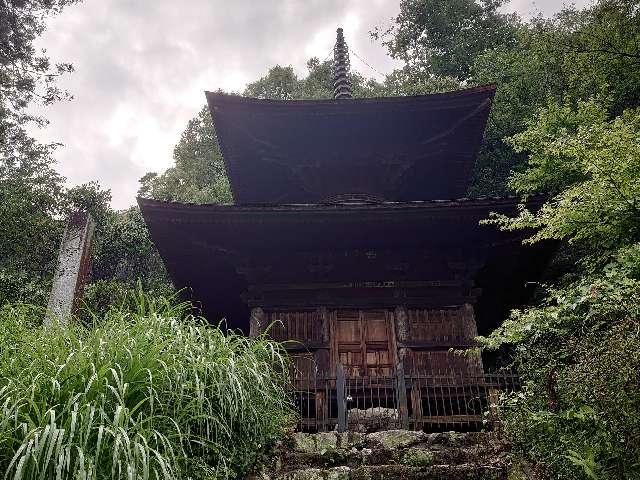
x=418 y=457
x=391 y=439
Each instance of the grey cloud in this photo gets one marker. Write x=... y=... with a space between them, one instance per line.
x=142 y=67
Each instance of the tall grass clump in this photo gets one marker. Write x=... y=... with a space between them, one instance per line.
x=144 y=394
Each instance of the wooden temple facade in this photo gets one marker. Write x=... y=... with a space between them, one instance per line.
x=350 y=238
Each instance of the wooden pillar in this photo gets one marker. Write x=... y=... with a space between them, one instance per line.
x=72 y=269
x=468 y=314
x=401 y=389
x=403 y=333
x=402 y=324
x=324 y=326
x=322 y=358
x=474 y=362
x=256 y=322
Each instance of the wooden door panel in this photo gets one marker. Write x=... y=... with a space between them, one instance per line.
x=348 y=331
x=377 y=342
x=352 y=362
x=363 y=342
x=377 y=329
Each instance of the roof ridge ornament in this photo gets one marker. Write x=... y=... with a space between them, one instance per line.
x=341 y=84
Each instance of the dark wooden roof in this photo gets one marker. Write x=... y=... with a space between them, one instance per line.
x=395 y=148
x=204 y=246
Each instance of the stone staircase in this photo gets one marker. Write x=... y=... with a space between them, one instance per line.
x=388 y=454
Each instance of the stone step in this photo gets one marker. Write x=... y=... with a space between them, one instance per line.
x=388 y=439
x=388 y=454
x=403 y=472
x=379 y=456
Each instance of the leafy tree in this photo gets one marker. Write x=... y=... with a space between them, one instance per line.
x=280 y=83
x=319 y=81
x=573 y=56
x=601 y=51
x=89 y=197
x=592 y=166
x=26 y=75
x=578 y=353
x=31 y=191
x=124 y=261
x=443 y=38
x=123 y=256
x=578 y=350
x=199 y=174
x=124 y=252
x=408 y=81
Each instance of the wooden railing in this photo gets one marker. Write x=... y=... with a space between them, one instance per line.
x=430 y=401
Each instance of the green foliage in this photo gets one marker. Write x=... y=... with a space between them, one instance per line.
x=445 y=37
x=592 y=168
x=29 y=187
x=32 y=195
x=579 y=349
x=413 y=81
x=19 y=285
x=100 y=296
x=26 y=76
x=124 y=252
x=574 y=56
x=280 y=83
x=88 y=197
x=587 y=335
x=148 y=393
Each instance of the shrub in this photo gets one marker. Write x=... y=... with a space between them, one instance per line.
x=579 y=354
x=152 y=394
x=100 y=296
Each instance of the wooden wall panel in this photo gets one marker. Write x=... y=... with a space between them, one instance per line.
x=451 y=326
x=364 y=341
x=301 y=326
x=442 y=362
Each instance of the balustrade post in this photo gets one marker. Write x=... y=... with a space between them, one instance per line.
x=341 y=398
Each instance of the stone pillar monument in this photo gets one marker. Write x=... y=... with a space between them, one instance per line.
x=72 y=270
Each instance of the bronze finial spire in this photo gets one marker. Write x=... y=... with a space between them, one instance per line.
x=341 y=84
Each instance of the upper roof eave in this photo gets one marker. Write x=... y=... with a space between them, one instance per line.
x=218 y=98
x=304 y=151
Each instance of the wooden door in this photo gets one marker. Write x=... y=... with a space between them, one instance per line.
x=378 y=342
x=364 y=342
x=348 y=342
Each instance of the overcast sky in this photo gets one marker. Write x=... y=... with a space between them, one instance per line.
x=142 y=67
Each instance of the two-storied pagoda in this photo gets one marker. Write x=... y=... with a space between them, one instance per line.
x=350 y=229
